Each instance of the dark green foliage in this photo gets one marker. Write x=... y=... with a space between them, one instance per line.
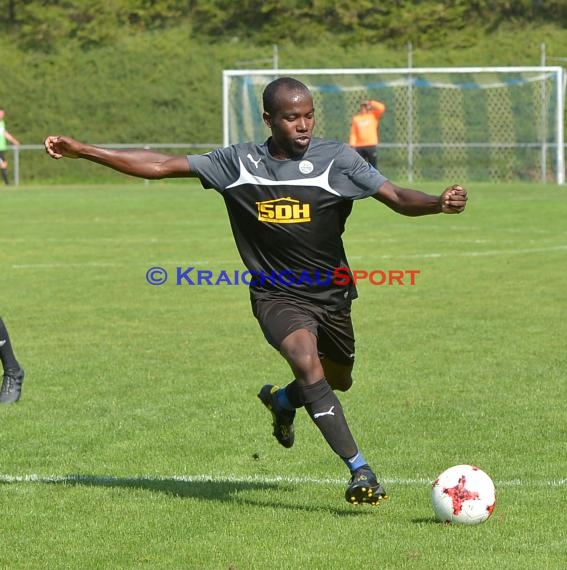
x=43 y=25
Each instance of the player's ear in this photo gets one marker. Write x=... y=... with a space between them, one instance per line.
x=267 y=119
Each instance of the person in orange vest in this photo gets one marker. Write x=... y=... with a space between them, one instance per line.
x=364 y=129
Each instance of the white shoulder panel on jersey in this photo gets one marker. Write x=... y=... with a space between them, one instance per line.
x=321 y=181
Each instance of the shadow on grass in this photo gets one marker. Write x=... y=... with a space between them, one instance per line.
x=223 y=490
x=426 y=520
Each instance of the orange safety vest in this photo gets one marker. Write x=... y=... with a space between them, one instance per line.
x=364 y=126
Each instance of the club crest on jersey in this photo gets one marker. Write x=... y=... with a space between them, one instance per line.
x=283 y=211
x=305 y=167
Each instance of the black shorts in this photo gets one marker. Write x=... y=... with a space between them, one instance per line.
x=279 y=316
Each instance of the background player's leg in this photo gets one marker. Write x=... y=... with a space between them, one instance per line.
x=13 y=377
x=7 y=355
x=4 y=170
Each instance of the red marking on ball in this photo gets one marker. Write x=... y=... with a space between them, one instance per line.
x=459 y=494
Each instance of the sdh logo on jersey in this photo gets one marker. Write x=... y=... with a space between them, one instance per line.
x=283 y=211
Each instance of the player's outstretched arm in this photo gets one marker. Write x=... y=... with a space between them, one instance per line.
x=141 y=163
x=11 y=138
x=415 y=203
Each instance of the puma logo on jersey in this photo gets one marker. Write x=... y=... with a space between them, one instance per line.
x=327 y=413
x=283 y=211
x=254 y=162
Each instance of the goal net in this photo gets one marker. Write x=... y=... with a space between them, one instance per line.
x=465 y=124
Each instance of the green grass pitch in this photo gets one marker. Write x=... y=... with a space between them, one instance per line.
x=139 y=441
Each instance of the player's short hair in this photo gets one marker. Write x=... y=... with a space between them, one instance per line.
x=270 y=95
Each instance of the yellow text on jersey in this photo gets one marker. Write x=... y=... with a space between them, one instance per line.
x=283 y=211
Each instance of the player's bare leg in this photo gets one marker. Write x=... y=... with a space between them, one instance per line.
x=324 y=408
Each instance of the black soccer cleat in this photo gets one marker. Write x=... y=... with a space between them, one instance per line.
x=365 y=488
x=282 y=420
x=11 y=385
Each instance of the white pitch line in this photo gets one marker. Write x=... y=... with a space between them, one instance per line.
x=220 y=263
x=103 y=264
x=487 y=253
x=109 y=480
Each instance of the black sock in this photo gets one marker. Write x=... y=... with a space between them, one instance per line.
x=326 y=411
x=6 y=353
x=5 y=175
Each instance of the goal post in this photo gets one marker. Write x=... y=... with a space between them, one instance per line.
x=470 y=124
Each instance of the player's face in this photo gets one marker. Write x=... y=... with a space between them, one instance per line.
x=292 y=124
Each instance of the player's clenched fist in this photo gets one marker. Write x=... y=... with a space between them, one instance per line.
x=454 y=199
x=58 y=146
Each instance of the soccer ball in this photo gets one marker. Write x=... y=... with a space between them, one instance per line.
x=463 y=494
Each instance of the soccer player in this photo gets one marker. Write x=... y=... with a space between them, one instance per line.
x=288 y=200
x=11 y=389
x=364 y=129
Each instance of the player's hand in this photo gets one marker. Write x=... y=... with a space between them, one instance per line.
x=58 y=146
x=453 y=199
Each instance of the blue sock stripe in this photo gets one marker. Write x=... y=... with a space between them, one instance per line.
x=283 y=400
x=356 y=462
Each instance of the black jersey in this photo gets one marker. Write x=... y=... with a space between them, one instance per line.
x=288 y=216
